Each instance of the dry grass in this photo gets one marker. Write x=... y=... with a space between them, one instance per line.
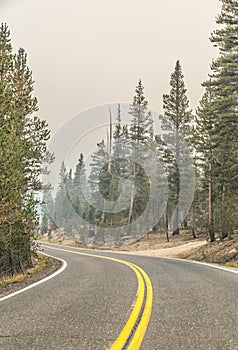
x=40 y=263
x=224 y=253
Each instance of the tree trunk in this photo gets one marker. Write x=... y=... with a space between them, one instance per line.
x=176 y=222
x=210 y=206
x=223 y=235
x=223 y=231
x=177 y=155
x=211 y=235
x=132 y=197
x=193 y=223
x=131 y=204
x=167 y=222
x=103 y=218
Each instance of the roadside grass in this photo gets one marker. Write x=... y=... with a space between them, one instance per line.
x=233 y=264
x=41 y=261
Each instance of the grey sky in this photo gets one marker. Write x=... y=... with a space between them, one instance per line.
x=89 y=52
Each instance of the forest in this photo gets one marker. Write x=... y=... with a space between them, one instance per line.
x=209 y=134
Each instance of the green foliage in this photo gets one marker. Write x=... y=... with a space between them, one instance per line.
x=62 y=210
x=142 y=135
x=23 y=139
x=176 y=123
x=216 y=133
x=211 y=136
x=47 y=207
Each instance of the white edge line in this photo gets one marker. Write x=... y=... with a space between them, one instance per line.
x=224 y=268
x=57 y=272
x=227 y=269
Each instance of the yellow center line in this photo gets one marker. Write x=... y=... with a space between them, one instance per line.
x=126 y=331
x=144 y=321
x=141 y=329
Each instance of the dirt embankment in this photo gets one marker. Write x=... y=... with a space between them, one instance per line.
x=156 y=245
x=224 y=253
x=170 y=252
x=184 y=246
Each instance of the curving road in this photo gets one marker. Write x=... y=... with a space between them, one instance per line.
x=98 y=303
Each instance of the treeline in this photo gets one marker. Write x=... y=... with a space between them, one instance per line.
x=23 y=154
x=211 y=133
x=117 y=160
x=123 y=157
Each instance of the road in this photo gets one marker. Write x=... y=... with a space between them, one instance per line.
x=89 y=304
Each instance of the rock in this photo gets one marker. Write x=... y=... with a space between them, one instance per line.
x=233 y=251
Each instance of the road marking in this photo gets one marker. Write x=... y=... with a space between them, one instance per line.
x=201 y=263
x=136 y=325
x=141 y=329
x=224 y=268
x=61 y=269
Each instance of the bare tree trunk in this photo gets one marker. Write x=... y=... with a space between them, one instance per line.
x=223 y=230
x=176 y=219
x=176 y=222
x=193 y=223
x=132 y=197
x=109 y=148
x=110 y=143
x=167 y=222
x=210 y=207
x=131 y=204
x=103 y=217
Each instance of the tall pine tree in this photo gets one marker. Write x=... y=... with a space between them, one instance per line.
x=223 y=82
x=176 y=122
x=141 y=134
x=23 y=139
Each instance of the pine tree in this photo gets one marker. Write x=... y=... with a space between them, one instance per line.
x=205 y=144
x=98 y=166
x=141 y=129
x=47 y=208
x=121 y=148
x=23 y=139
x=119 y=166
x=141 y=133
x=223 y=81
x=99 y=179
x=176 y=122
x=78 y=200
x=61 y=200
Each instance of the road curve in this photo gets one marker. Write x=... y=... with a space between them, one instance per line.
x=93 y=299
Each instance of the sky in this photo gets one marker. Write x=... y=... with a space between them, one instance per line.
x=85 y=53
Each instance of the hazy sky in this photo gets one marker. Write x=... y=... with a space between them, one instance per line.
x=89 y=52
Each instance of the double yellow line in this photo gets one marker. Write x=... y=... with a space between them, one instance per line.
x=133 y=332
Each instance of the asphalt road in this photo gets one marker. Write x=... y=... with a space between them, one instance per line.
x=89 y=303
